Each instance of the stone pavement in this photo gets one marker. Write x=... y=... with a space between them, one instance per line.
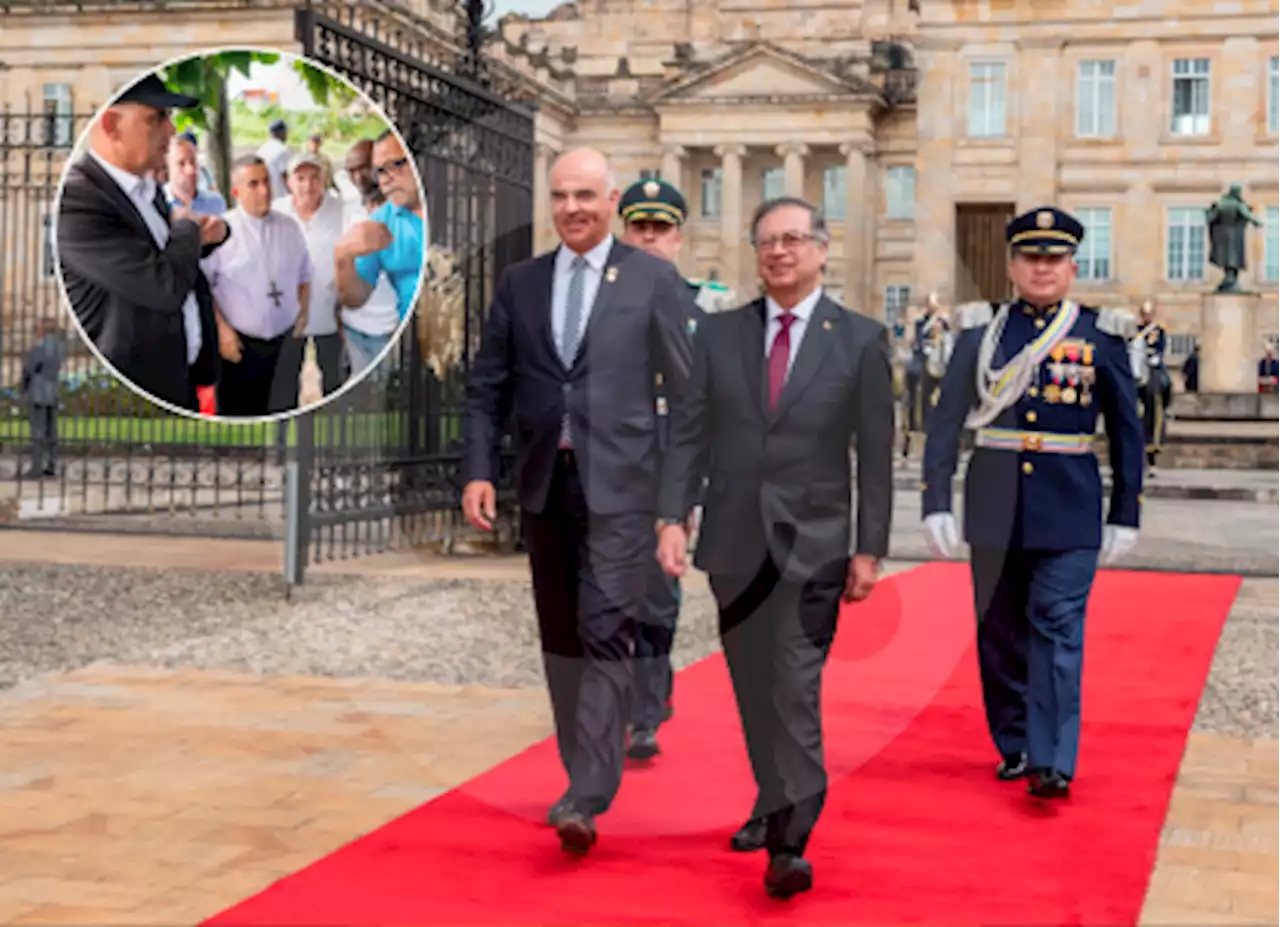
x=135 y=795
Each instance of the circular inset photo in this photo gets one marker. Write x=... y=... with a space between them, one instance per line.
x=240 y=235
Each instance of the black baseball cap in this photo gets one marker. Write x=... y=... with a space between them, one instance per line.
x=151 y=91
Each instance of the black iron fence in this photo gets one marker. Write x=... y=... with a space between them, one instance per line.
x=399 y=482
x=117 y=455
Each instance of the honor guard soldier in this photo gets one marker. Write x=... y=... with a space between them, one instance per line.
x=1030 y=378
x=653 y=213
x=1155 y=384
x=931 y=345
x=1268 y=370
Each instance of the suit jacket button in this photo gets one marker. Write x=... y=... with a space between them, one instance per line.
x=566 y=388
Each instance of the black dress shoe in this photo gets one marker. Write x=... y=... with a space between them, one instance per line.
x=643 y=745
x=577 y=832
x=749 y=837
x=559 y=810
x=1048 y=783
x=787 y=875
x=1013 y=766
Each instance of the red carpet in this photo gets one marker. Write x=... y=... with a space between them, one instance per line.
x=916 y=828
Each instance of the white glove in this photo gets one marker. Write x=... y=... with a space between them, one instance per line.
x=941 y=535
x=1117 y=541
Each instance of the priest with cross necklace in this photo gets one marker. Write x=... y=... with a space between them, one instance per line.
x=261 y=291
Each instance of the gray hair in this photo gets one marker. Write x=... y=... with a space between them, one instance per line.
x=817 y=222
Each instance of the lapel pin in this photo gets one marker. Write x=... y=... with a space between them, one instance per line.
x=611 y=275
x=826 y=325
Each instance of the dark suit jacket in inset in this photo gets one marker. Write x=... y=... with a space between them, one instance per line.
x=780 y=480
x=128 y=293
x=638 y=328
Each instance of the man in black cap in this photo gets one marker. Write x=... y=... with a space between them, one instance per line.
x=652 y=214
x=1030 y=377
x=130 y=264
x=277 y=155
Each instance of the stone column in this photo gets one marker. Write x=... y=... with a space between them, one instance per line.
x=731 y=215
x=856 y=223
x=1037 y=122
x=543 y=155
x=936 y=122
x=673 y=167
x=793 y=155
x=1228 y=343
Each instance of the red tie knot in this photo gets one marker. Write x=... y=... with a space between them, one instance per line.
x=786 y=319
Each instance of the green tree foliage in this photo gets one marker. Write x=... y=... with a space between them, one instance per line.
x=205 y=78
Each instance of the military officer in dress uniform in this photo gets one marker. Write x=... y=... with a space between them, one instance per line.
x=1156 y=388
x=1030 y=377
x=653 y=213
x=930 y=351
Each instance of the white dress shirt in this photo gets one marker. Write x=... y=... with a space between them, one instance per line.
x=590 y=285
x=261 y=253
x=277 y=155
x=802 y=311
x=322 y=231
x=141 y=191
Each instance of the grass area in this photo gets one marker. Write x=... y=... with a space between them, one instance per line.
x=369 y=430
x=249 y=129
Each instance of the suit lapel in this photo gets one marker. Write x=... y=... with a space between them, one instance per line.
x=604 y=297
x=544 y=272
x=107 y=185
x=813 y=348
x=753 y=356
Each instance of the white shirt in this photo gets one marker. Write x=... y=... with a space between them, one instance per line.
x=802 y=311
x=322 y=232
x=141 y=191
x=590 y=284
x=262 y=256
x=277 y=155
x=379 y=315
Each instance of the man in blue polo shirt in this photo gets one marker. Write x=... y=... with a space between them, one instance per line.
x=392 y=240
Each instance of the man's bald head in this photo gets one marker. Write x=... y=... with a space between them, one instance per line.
x=584 y=197
x=133 y=137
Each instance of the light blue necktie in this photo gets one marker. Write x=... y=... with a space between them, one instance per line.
x=570 y=338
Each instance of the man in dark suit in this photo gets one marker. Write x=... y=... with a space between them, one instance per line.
x=782 y=389
x=131 y=264
x=574 y=341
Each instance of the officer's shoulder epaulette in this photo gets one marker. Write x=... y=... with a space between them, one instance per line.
x=974 y=315
x=1118 y=322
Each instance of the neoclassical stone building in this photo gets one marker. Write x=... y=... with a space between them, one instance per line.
x=921 y=127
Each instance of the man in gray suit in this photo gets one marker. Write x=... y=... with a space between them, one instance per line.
x=40 y=388
x=574 y=343
x=782 y=389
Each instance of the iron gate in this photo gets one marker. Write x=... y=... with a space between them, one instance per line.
x=123 y=463
x=380 y=466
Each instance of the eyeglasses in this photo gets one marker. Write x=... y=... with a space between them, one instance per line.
x=790 y=241
x=384 y=170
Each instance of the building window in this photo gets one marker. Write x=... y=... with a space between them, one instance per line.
x=1185 y=235
x=711 y=192
x=650 y=175
x=835 y=192
x=1190 y=96
x=1094 y=253
x=900 y=192
x=1180 y=345
x=1271 y=240
x=1273 y=95
x=57 y=105
x=1096 y=99
x=773 y=183
x=896 y=297
x=986 y=99
x=46 y=243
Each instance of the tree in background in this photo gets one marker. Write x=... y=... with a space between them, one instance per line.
x=205 y=77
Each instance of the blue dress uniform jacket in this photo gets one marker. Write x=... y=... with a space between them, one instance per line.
x=1032 y=499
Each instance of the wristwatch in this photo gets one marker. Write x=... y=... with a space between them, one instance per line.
x=667 y=523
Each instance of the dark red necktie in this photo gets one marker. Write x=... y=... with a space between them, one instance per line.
x=779 y=355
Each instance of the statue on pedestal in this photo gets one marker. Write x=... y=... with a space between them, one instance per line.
x=1227 y=221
